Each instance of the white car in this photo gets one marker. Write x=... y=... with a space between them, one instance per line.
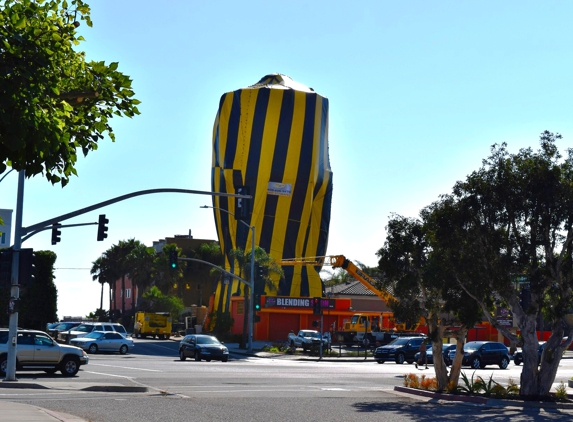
x=103 y=341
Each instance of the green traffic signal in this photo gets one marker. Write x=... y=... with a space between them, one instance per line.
x=173 y=259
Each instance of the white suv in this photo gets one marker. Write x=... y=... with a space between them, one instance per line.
x=87 y=327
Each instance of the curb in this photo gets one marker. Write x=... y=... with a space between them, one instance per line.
x=30 y=385
x=101 y=388
x=484 y=400
x=116 y=389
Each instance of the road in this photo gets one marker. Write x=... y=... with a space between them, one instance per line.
x=254 y=389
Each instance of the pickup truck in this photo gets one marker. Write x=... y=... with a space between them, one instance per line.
x=307 y=339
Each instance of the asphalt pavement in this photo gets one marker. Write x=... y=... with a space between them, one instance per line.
x=16 y=412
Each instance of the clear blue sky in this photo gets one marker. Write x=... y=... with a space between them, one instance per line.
x=418 y=93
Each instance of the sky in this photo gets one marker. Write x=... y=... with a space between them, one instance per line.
x=418 y=93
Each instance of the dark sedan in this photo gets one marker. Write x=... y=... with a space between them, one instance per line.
x=202 y=346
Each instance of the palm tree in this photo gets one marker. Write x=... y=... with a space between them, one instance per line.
x=263 y=259
x=99 y=272
x=139 y=263
x=211 y=253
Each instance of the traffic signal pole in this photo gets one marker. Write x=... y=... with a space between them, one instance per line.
x=20 y=232
x=15 y=287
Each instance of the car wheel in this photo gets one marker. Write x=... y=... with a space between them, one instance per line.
x=225 y=359
x=92 y=348
x=304 y=349
x=517 y=361
x=182 y=355
x=400 y=358
x=476 y=363
x=197 y=356
x=123 y=349
x=161 y=337
x=208 y=360
x=504 y=362
x=411 y=362
x=70 y=366
x=380 y=361
x=3 y=365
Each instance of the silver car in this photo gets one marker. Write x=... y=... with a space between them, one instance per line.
x=37 y=351
x=104 y=341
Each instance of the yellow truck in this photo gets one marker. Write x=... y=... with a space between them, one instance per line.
x=152 y=324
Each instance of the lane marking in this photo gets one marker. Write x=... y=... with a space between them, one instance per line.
x=128 y=367
x=109 y=375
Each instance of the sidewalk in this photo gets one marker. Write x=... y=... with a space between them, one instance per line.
x=18 y=412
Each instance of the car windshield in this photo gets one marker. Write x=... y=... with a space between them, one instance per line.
x=83 y=328
x=311 y=334
x=94 y=334
x=207 y=340
x=471 y=348
x=399 y=341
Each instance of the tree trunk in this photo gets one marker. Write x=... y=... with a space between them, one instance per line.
x=101 y=298
x=530 y=371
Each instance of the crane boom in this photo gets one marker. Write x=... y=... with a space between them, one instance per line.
x=340 y=261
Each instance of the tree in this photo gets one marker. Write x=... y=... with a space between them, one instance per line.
x=153 y=300
x=101 y=272
x=140 y=266
x=39 y=301
x=52 y=101
x=243 y=260
x=514 y=217
x=165 y=277
x=412 y=269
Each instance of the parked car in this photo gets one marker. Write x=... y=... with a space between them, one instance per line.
x=478 y=354
x=202 y=346
x=101 y=341
x=62 y=326
x=37 y=351
x=445 y=353
x=400 y=350
x=87 y=327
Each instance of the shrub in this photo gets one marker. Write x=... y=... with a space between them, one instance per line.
x=561 y=391
x=428 y=383
x=412 y=381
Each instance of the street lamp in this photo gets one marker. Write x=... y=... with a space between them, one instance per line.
x=252 y=282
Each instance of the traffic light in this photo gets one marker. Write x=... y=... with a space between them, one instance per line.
x=242 y=205
x=257 y=303
x=173 y=259
x=56 y=232
x=27 y=267
x=102 y=227
x=6 y=267
x=316 y=308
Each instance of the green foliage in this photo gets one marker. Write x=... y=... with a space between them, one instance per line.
x=471 y=386
x=561 y=391
x=39 y=302
x=52 y=101
x=155 y=301
x=220 y=323
x=100 y=315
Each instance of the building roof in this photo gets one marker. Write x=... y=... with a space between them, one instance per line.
x=355 y=288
